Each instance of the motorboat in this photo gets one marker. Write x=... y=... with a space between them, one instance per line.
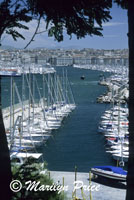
x=82 y=77
x=110 y=172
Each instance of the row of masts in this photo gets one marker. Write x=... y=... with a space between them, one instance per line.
x=114 y=126
x=44 y=100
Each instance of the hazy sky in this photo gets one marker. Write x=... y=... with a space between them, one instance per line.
x=114 y=35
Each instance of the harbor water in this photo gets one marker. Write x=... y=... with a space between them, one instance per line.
x=76 y=142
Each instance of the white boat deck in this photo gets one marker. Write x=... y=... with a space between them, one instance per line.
x=26 y=155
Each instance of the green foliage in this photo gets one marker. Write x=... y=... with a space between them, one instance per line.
x=31 y=171
x=122 y=3
x=12 y=16
x=77 y=17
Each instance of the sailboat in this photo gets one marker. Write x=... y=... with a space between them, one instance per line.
x=111 y=126
x=40 y=109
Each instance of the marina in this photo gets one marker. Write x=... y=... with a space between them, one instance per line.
x=40 y=123
x=29 y=123
x=79 y=132
x=66 y=100
x=114 y=121
x=39 y=104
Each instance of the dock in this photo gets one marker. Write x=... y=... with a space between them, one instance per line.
x=117 y=90
x=18 y=112
x=102 y=190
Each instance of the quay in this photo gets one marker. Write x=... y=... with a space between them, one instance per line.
x=40 y=108
x=105 y=190
x=18 y=112
x=117 y=90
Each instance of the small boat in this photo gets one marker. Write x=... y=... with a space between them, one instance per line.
x=21 y=157
x=111 y=172
x=121 y=156
x=82 y=77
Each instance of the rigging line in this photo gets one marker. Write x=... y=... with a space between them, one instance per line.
x=17 y=92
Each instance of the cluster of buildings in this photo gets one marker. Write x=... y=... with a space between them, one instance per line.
x=66 y=57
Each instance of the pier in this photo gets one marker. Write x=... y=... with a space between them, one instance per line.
x=117 y=88
x=44 y=100
x=102 y=190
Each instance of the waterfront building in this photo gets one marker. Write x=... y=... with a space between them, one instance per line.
x=93 y=60
x=81 y=60
x=68 y=57
x=62 y=61
x=40 y=59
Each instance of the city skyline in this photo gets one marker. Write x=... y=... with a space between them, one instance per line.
x=114 y=35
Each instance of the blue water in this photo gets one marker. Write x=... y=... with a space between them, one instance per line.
x=77 y=142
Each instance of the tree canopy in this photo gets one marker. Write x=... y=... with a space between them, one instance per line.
x=12 y=16
x=78 y=17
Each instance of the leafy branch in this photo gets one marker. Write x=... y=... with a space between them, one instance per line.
x=36 y=30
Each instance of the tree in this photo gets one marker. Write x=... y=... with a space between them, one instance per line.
x=31 y=176
x=78 y=17
x=5 y=168
x=130 y=177
x=11 y=16
x=129 y=5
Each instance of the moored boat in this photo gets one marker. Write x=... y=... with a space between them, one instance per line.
x=110 y=172
x=82 y=77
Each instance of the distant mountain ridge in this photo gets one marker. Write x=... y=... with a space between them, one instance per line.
x=5 y=47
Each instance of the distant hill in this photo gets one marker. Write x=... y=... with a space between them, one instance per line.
x=69 y=47
x=59 y=47
x=5 y=47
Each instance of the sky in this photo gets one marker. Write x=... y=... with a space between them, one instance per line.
x=114 y=35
